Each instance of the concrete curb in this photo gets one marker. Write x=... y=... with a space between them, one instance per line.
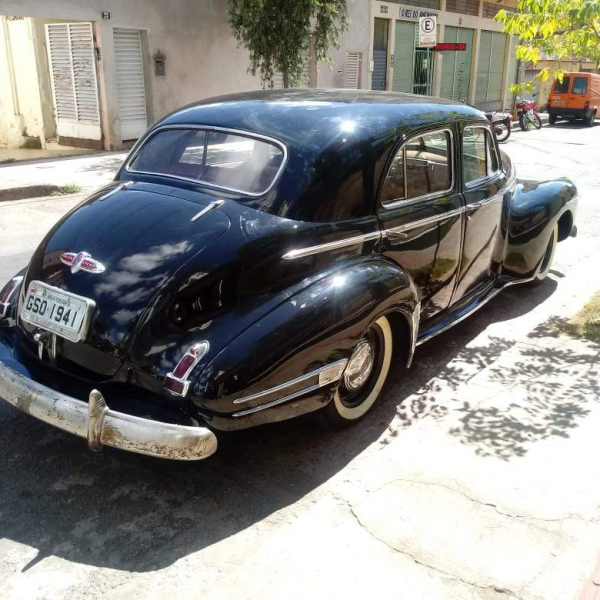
x=27 y=191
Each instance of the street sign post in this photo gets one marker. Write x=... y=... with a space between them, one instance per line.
x=427 y=32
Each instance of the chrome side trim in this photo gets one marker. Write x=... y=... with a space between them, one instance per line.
x=248 y=134
x=207 y=209
x=352 y=241
x=325 y=375
x=489 y=297
x=101 y=426
x=423 y=222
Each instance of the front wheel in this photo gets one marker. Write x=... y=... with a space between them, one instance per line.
x=363 y=377
x=537 y=121
x=548 y=258
x=523 y=122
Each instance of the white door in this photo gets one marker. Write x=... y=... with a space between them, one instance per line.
x=130 y=83
x=73 y=74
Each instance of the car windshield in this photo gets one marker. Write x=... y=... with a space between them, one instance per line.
x=561 y=87
x=227 y=160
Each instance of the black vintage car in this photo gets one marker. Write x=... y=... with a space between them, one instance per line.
x=264 y=255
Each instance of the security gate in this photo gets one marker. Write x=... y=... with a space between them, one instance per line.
x=73 y=75
x=413 y=66
x=131 y=89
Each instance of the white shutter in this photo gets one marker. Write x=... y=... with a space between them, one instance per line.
x=74 y=86
x=352 y=70
x=130 y=83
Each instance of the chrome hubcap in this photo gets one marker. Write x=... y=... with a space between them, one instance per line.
x=360 y=366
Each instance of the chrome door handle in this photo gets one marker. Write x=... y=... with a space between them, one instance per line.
x=396 y=235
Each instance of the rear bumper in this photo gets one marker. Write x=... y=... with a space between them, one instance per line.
x=577 y=113
x=101 y=426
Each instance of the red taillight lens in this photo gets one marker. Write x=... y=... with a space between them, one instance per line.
x=587 y=105
x=184 y=366
x=9 y=288
x=177 y=382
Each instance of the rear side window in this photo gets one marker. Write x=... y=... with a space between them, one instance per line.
x=421 y=167
x=562 y=87
x=478 y=153
x=227 y=160
x=579 y=85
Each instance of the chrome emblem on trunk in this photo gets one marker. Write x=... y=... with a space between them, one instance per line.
x=82 y=261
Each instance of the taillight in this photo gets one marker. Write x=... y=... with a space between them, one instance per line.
x=178 y=381
x=586 y=105
x=7 y=293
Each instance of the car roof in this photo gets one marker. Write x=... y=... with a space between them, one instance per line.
x=309 y=117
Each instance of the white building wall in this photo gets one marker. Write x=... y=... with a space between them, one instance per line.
x=202 y=57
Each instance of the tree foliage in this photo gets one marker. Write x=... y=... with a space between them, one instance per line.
x=557 y=29
x=277 y=33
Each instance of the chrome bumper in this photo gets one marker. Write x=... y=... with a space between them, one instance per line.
x=102 y=426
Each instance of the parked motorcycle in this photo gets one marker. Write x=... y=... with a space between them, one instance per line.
x=528 y=113
x=501 y=123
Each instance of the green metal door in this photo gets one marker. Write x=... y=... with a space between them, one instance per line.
x=404 y=56
x=490 y=68
x=456 y=66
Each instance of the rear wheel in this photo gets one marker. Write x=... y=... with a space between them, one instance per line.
x=363 y=377
x=589 y=121
x=552 y=120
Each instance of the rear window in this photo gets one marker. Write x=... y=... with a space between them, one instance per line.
x=562 y=87
x=227 y=160
x=421 y=167
x=579 y=85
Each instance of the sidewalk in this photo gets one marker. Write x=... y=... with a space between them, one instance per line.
x=40 y=177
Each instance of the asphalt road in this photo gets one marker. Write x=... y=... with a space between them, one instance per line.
x=272 y=514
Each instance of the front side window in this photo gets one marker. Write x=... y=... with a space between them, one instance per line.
x=562 y=87
x=478 y=153
x=421 y=167
x=579 y=85
x=226 y=160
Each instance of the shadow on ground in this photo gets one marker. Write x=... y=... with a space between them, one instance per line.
x=138 y=514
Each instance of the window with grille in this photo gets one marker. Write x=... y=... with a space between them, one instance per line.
x=465 y=7
x=435 y=4
x=491 y=9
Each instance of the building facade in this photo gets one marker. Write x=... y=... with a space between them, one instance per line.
x=97 y=73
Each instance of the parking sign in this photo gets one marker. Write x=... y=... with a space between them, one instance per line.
x=427 y=32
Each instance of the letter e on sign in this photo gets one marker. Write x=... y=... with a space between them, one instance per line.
x=427 y=32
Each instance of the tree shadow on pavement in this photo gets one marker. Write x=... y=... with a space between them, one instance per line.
x=139 y=514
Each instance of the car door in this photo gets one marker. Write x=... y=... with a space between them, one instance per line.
x=484 y=184
x=420 y=213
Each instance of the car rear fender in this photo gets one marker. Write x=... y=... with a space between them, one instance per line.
x=315 y=327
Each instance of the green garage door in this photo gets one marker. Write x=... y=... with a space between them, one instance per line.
x=404 y=54
x=490 y=68
x=456 y=66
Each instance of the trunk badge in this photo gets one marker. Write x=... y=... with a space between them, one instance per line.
x=82 y=261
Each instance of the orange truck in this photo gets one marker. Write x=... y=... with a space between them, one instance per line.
x=577 y=96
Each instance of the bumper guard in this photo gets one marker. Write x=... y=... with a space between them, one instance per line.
x=101 y=426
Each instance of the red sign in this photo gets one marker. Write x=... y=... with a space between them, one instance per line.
x=444 y=47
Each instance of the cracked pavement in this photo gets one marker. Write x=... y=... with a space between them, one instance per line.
x=473 y=478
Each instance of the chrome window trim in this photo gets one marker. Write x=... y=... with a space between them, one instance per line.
x=490 y=176
x=409 y=201
x=423 y=222
x=337 y=367
x=240 y=132
x=343 y=243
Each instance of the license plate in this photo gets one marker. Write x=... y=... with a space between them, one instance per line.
x=558 y=102
x=65 y=314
